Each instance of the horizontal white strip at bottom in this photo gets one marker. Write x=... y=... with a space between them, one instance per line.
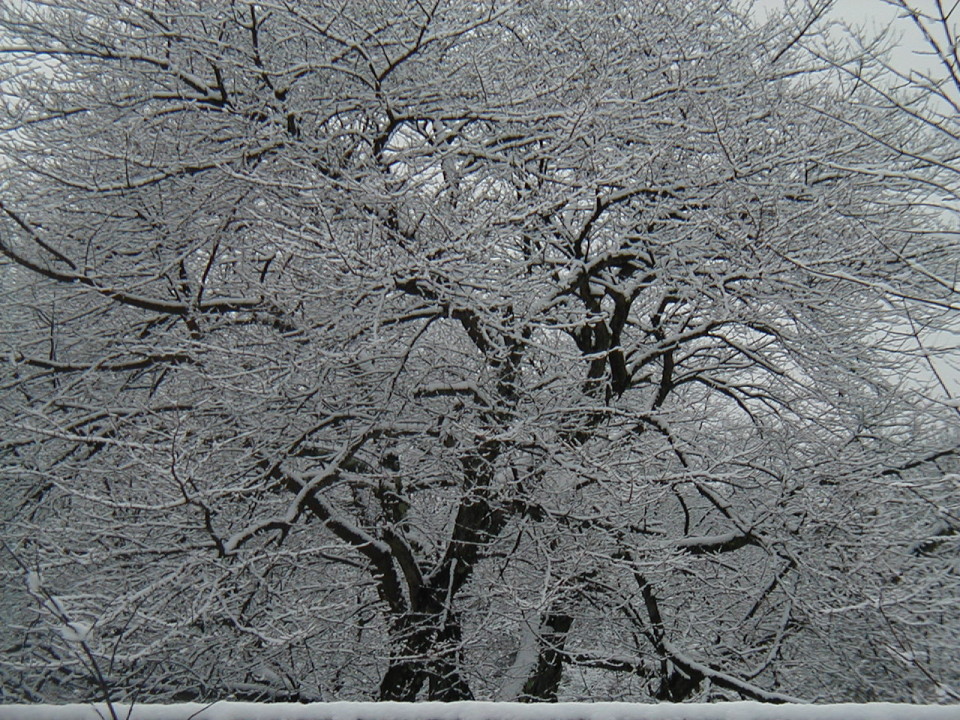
x=481 y=711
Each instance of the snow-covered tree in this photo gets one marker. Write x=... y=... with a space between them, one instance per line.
x=465 y=348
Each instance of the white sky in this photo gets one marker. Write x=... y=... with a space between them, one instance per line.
x=874 y=17
x=870 y=19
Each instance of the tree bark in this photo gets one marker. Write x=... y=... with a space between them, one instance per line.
x=543 y=684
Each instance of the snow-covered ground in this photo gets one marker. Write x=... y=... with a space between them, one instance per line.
x=483 y=711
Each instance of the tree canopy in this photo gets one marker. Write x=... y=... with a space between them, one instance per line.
x=469 y=349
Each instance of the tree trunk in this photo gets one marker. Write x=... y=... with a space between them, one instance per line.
x=543 y=684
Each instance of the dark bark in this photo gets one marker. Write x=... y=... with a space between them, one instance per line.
x=402 y=681
x=543 y=684
x=678 y=686
x=428 y=648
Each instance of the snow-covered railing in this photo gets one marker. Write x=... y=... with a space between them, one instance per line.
x=483 y=711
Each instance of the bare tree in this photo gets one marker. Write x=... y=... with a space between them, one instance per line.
x=922 y=90
x=464 y=349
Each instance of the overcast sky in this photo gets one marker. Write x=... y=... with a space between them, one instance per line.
x=873 y=17
x=870 y=18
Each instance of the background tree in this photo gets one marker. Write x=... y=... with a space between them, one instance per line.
x=923 y=85
x=464 y=349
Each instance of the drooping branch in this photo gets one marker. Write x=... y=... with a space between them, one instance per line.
x=156 y=305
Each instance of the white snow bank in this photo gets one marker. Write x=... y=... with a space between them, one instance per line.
x=484 y=711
